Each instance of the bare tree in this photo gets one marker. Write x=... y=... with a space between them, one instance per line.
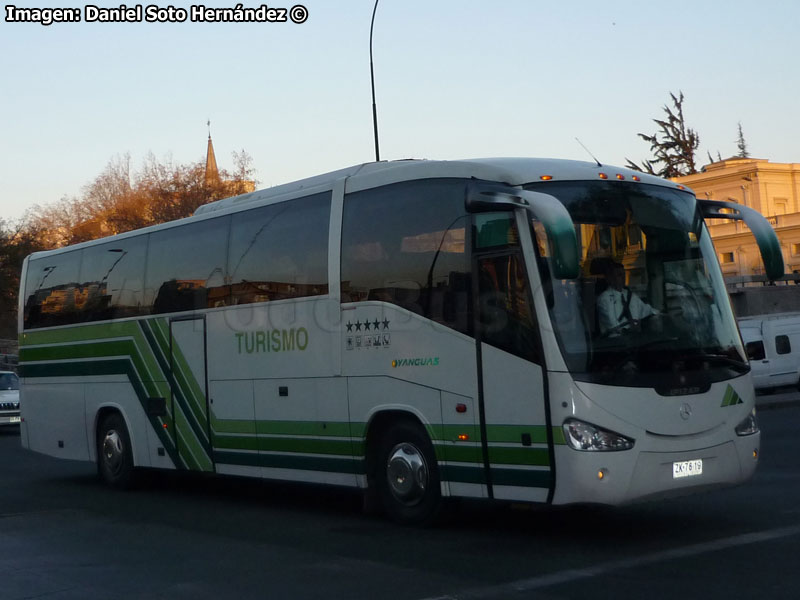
x=118 y=200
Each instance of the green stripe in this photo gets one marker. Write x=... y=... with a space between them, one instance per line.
x=298 y=462
x=231 y=425
x=539 y=457
x=119 y=366
x=80 y=334
x=235 y=442
x=192 y=430
x=127 y=348
x=335 y=429
x=293 y=445
x=520 y=478
x=462 y=453
x=450 y=433
x=514 y=433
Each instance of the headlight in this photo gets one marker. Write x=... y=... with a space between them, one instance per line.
x=590 y=438
x=749 y=426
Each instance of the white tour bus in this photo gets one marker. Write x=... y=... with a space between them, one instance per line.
x=416 y=329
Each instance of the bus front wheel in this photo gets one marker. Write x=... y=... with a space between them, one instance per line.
x=408 y=481
x=114 y=455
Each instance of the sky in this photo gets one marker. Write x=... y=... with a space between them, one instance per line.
x=453 y=78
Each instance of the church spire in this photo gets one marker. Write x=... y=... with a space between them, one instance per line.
x=212 y=173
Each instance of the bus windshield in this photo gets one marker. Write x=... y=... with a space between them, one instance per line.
x=650 y=307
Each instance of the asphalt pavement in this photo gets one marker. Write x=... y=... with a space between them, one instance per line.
x=779 y=398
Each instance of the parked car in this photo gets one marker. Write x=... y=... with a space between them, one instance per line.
x=9 y=398
x=773 y=347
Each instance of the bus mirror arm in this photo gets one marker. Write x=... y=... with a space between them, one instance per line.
x=560 y=229
x=561 y=238
x=767 y=240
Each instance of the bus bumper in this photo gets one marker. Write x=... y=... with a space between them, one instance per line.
x=628 y=476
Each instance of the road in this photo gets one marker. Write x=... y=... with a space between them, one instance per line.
x=65 y=536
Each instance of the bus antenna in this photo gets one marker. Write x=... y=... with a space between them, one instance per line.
x=588 y=152
x=372 y=79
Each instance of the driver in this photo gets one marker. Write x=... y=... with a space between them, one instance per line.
x=618 y=308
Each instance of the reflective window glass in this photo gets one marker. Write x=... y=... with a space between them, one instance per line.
x=52 y=293
x=186 y=267
x=280 y=251
x=112 y=279
x=405 y=244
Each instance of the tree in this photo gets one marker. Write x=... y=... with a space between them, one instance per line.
x=15 y=244
x=673 y=145
x=741 y=144
x=119 y=200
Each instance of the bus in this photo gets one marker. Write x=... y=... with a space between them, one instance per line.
x=420 y=330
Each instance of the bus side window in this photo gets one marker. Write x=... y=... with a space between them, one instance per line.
x=280 y=251
x=52 y=294
x=183 y=263
x=111 y=279
x=404 y=244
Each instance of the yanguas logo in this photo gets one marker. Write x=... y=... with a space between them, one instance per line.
x=430 y=361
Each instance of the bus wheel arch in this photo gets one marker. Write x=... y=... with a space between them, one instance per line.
x=402 y=471
x=115 y=464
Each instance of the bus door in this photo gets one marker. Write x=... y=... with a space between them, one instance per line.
x=512 y=397
x=189 y=397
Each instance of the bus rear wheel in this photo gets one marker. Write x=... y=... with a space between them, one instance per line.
x=408 y=479
x=114 y=455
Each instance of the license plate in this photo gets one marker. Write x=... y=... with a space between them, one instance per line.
x=687 y=468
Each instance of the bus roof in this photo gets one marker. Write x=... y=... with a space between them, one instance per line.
x=513 y=171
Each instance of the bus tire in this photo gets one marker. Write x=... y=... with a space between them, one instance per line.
x=408 y=475
x=114 y=452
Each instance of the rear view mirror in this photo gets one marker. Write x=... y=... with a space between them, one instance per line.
x=767 y=240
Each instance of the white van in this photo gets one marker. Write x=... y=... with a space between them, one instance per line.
x=773 y=347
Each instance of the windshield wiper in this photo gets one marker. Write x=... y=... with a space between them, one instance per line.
x=719 y=359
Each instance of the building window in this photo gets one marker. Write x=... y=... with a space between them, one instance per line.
x=727 y=258
x=795 y=249
x=780 y=205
